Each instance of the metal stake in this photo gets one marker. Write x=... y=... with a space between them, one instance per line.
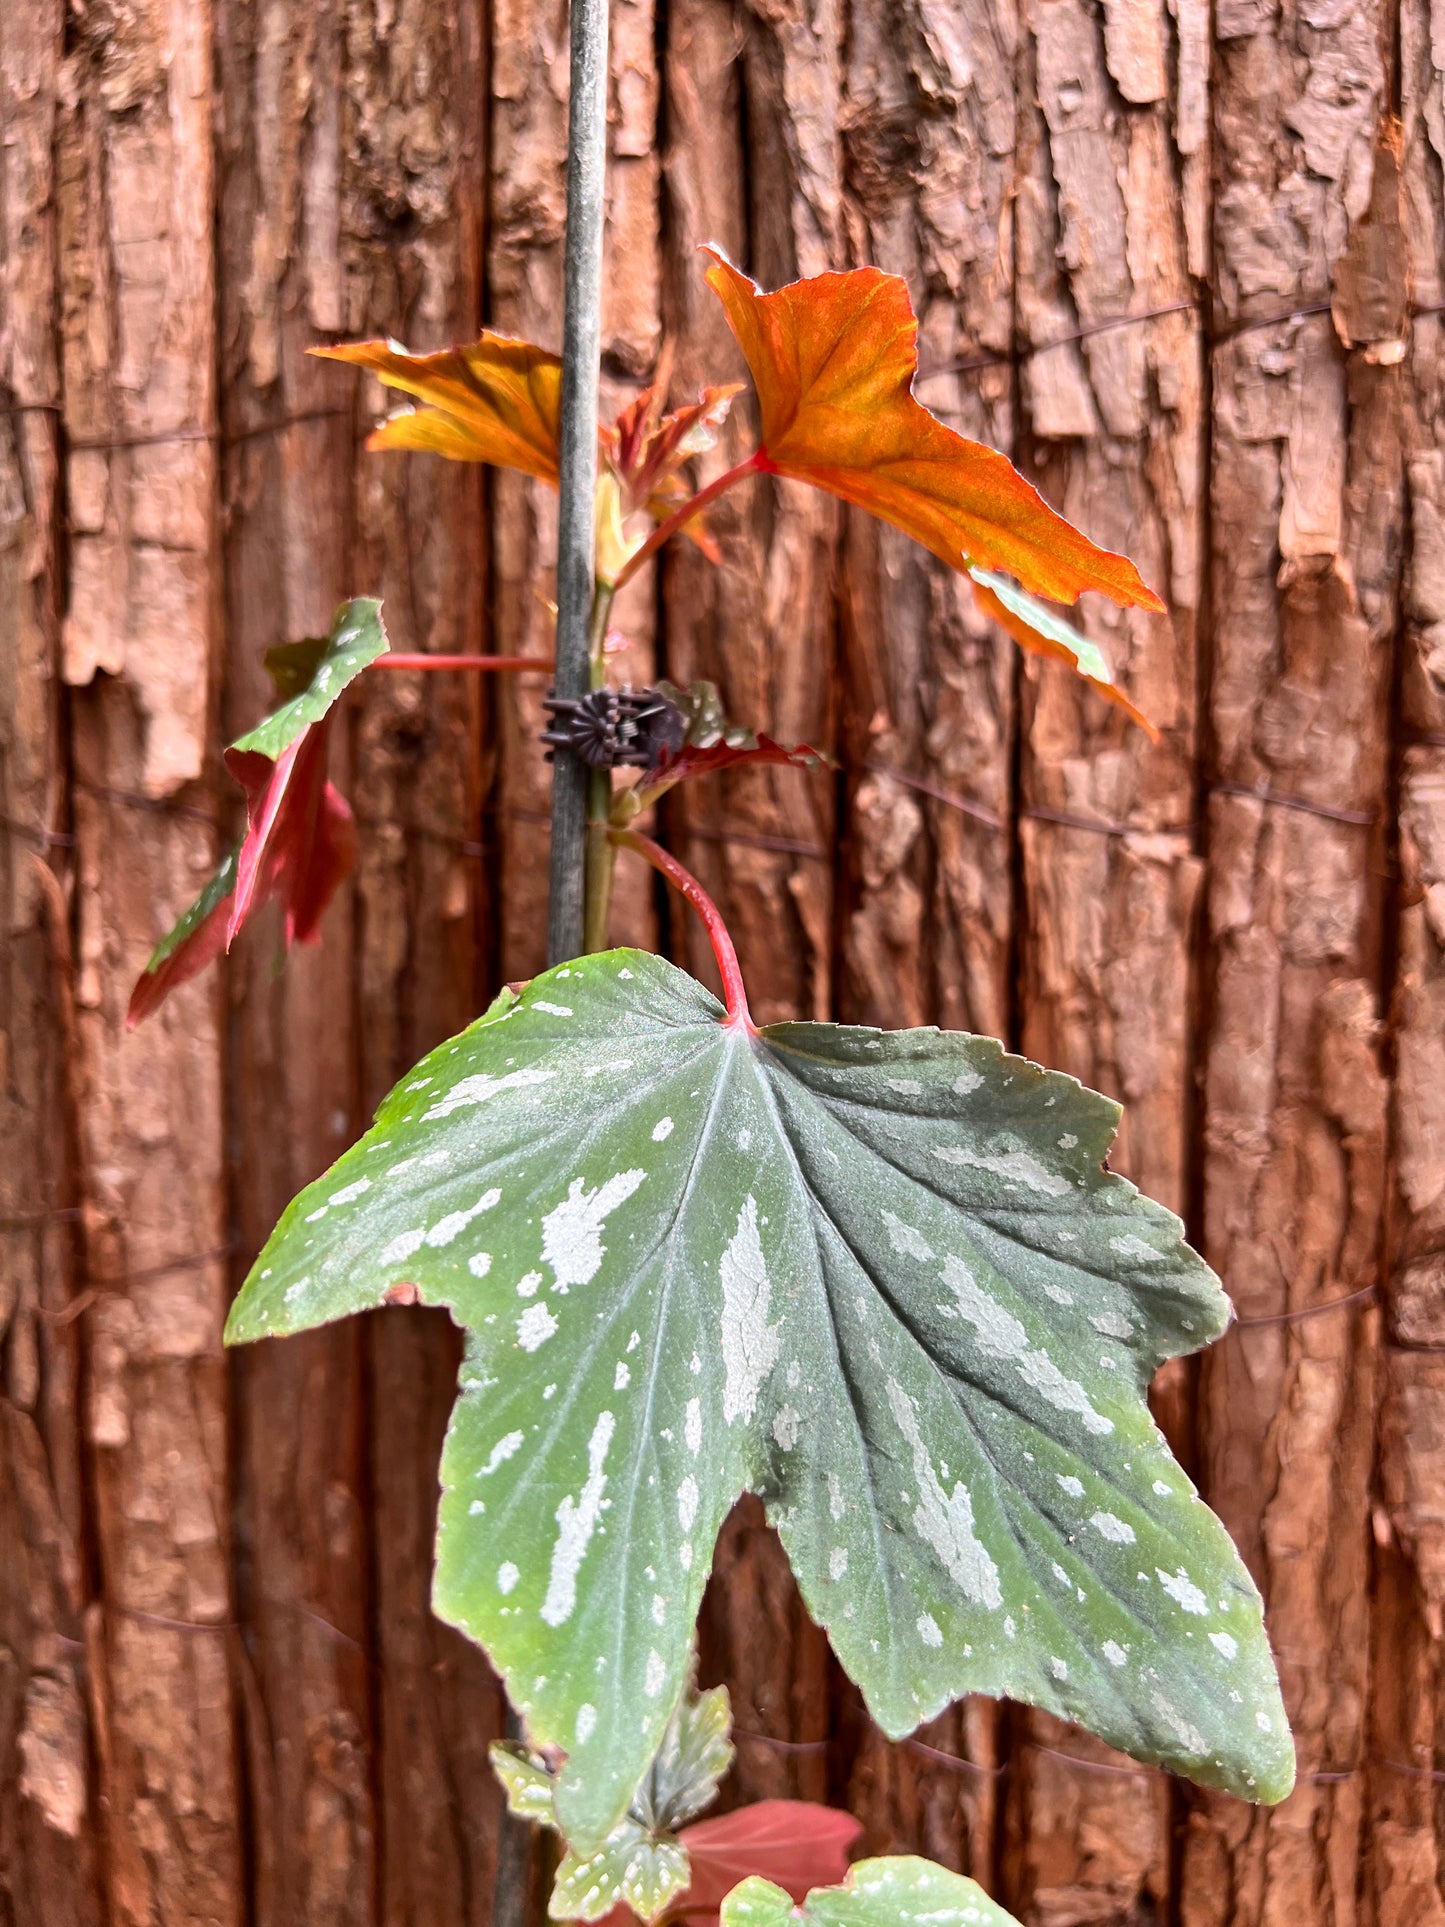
x=581 y=352
x=581 y=348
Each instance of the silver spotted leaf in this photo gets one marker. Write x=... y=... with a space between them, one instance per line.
x=899 y=1891
x=880 y=1278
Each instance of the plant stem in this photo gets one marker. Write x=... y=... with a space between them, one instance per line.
x=754 y=464
x=519 y=663
x=577 y=464
x=734 y=991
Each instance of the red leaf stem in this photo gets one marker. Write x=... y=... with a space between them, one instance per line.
x=463 y=662
x=754 y=464
x=734 y=991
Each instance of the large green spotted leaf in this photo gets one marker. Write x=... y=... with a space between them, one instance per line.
x=880 y=1278
x=899 y=1891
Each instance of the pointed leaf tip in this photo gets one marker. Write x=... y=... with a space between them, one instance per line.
x=300 y=840
x=833 y=359
x=197 y=939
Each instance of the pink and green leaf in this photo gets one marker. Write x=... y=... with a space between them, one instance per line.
x=300 y=840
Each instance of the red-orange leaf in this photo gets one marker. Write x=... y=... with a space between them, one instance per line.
x=496 y=400
x=833 y=359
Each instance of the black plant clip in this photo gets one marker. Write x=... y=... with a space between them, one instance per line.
x=615 y=728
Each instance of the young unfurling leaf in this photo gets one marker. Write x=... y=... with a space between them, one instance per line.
x=300 y=840
x=652 y=1863
x=881 y=1279
x=643 y=1864
x=645 y=453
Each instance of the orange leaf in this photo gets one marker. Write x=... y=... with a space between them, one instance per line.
x=833 y=359
x=496 y=400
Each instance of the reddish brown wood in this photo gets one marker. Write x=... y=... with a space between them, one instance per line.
x=1173 y=272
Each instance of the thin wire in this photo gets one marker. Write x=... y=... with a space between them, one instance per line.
x=1361 y=819
x=1307 y=1311
x=1248 y=324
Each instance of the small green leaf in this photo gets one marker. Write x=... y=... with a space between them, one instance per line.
x=705 y=719
x=880 y=1278
x=312 y=674
x=642 y=1869
x=899 y=1891
x=525 y=1781
x=695 y=1754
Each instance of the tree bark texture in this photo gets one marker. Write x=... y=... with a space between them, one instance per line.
x=1186 y=264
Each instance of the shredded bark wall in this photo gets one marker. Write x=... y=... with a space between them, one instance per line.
x=1187 y=265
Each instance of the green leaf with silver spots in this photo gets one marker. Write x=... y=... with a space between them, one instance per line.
x=899 y=1891
x=312 y=674
x=880 y=1278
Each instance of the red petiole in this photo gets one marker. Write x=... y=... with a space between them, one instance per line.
x=734 y=992
x=520 y=663
x=755 y=464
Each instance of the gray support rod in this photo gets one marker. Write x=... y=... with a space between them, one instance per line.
x=518 y=1891
x=581 y=349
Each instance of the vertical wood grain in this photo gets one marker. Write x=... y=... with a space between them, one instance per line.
x=751 y=162
x=928 y=127
x=1112 y=394
x=1405 y=1876
x=1182 y=240
x=302 y=1489
x=528 y=206
x=49 y=1810
x=137 y=212
x=1306 y=505
x=411 y=231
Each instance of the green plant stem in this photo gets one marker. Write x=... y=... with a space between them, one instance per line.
x=601 y=858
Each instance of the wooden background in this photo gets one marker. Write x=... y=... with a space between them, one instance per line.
x=1188 y=266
